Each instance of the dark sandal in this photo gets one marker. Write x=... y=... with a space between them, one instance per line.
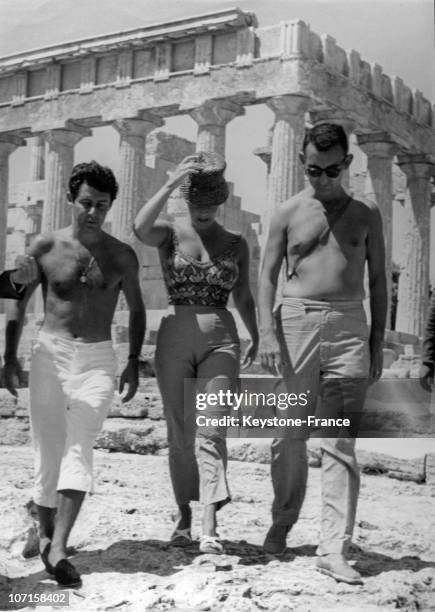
x=66 y=574
x=181 y=537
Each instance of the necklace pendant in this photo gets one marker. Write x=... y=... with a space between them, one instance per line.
x=83 y=279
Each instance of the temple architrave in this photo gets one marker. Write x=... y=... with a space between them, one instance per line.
x=211 y=67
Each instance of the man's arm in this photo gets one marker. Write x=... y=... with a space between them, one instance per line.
x=14 y=327
x=8 y=289
x=26 y=271
x=273 y=256
x=378 y=291
x=244 y=302
x=428 y=357
x=136 y=324
x=16 y=313
x=12 y=282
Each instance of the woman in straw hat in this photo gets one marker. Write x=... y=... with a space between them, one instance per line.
x=202 y=264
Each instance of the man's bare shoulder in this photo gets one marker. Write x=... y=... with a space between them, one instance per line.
x=121 y=250
x=286 y=209
x=366 y=208
x=232 y=234
x=42 y=244
x=365 y=204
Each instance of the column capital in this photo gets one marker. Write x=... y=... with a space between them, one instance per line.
x=377 y=144
x=10 y=142
x=331 y=115
x=287 y=107
x=416 y=166
x=66 y=138
x=6 y=148
x=216 y=112
x=137 y=127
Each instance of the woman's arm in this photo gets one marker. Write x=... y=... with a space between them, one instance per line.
x=244 y=302
x=146 y=227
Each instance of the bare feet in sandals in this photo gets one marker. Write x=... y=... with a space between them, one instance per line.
x=211 y=545
x=182 y=535
x=209 y=541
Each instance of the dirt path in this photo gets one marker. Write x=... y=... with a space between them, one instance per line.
x=122 y=551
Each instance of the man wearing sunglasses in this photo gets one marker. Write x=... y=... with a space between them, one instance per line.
x=319 y=340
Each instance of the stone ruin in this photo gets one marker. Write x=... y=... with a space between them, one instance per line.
x=211 y=67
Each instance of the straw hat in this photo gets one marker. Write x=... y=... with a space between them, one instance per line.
x=208 y=186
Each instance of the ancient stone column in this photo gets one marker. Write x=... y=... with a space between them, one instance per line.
x=286 y=171
x=133 y=133
x=286 y=176
x=413 y=295
x=265 y=154
x=212 y=118
x=59 y=163
x=380 y=151
x=6 y=148
x=37 y=158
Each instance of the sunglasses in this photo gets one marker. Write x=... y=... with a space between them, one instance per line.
x=331 y=171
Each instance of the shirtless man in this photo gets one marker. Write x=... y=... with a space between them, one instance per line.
x=319 y=340
x=73 y=365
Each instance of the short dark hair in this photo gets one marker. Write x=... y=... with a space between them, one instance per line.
x=324 y=136
x=96 y=176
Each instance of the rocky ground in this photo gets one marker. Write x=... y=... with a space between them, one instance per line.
x=121 y=545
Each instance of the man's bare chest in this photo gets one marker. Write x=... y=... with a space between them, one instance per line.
x=305 y=236
x=68 y=273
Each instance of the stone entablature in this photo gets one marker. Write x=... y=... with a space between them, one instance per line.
x=151 y=52
x=151 y=68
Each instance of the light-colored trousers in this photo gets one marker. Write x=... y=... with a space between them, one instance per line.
x=197 y=352
x=324 y=348
x=71 y=388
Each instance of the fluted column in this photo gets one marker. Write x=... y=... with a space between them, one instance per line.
x=347 y=123
x=133 y=133
x=286 y=171
x=37 y=157
x=212 y=118
x=286 y=176
x=380 y=151
x=59 y=163
x=6 y=148
x=265 y=154
x=413 y=292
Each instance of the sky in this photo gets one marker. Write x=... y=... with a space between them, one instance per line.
x=397 y=34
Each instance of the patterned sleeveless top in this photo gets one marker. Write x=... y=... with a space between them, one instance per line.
x=192 y=282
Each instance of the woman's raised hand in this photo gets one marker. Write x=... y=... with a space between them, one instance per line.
x=189 y=165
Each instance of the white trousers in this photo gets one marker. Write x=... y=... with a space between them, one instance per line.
x=71 y=389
